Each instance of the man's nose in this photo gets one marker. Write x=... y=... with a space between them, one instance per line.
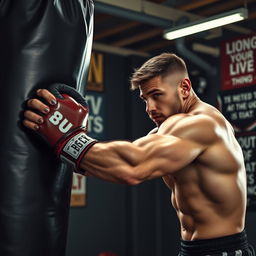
x=150 y=106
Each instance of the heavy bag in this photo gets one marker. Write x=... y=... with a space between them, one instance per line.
x=41 y=42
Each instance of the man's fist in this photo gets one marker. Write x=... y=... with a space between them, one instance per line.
x=64 y=125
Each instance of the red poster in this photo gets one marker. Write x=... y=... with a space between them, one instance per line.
x=238 y=62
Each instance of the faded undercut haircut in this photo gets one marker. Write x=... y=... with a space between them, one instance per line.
x=161 y=65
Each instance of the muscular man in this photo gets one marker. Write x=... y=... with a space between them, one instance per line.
x=193 y=149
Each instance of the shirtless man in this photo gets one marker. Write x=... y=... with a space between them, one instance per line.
x=193 y=149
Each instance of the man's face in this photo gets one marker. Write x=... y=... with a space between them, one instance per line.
x=161 y=98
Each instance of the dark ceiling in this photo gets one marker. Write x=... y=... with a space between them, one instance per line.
x=123 y=34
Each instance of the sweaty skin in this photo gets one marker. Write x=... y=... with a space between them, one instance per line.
x=193 y=149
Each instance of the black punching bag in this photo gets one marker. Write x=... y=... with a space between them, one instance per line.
x=41 y=42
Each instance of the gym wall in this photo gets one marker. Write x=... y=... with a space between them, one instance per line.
x=124 y=220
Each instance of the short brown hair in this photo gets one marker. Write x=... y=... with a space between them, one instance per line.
x=161 y=65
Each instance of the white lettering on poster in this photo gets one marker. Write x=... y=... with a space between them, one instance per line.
x=240 y=106
x=95 y=121
x=242 y=64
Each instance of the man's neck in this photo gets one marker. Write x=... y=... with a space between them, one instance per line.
x=191 y=104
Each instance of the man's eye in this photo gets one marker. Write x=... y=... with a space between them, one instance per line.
x=155 y=96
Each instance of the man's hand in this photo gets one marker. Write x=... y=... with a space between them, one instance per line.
x=62 y=123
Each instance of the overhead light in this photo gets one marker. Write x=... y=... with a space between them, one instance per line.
x=206 y=24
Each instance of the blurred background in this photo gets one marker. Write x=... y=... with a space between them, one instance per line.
x=109 y=219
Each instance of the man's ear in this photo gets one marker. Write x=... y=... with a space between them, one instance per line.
x=185 y=87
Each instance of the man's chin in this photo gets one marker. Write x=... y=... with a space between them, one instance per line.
x=159 y=121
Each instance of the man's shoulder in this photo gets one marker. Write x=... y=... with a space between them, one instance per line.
x=184 y=120
x=201 y=127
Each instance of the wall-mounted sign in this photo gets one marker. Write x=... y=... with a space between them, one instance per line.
x=248 y=144
x=95 y=77
x=239 y=107
x=78 y=195
x=238 y=62
x=96 y=121
x=237 y=101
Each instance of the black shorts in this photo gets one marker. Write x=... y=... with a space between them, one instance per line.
x=233 y=245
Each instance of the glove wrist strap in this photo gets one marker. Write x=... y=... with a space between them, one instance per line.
x=73 y=150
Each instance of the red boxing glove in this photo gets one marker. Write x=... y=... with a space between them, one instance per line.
x=65 y=126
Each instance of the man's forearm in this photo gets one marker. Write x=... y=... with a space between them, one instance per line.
x=147 y=158
x=113 y=161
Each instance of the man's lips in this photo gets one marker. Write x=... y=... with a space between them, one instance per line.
x=156 y=117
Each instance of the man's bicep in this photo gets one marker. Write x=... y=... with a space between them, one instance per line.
x=182 y=152
x=168 y=154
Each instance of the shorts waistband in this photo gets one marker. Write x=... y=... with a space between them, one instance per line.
x=214 y=246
